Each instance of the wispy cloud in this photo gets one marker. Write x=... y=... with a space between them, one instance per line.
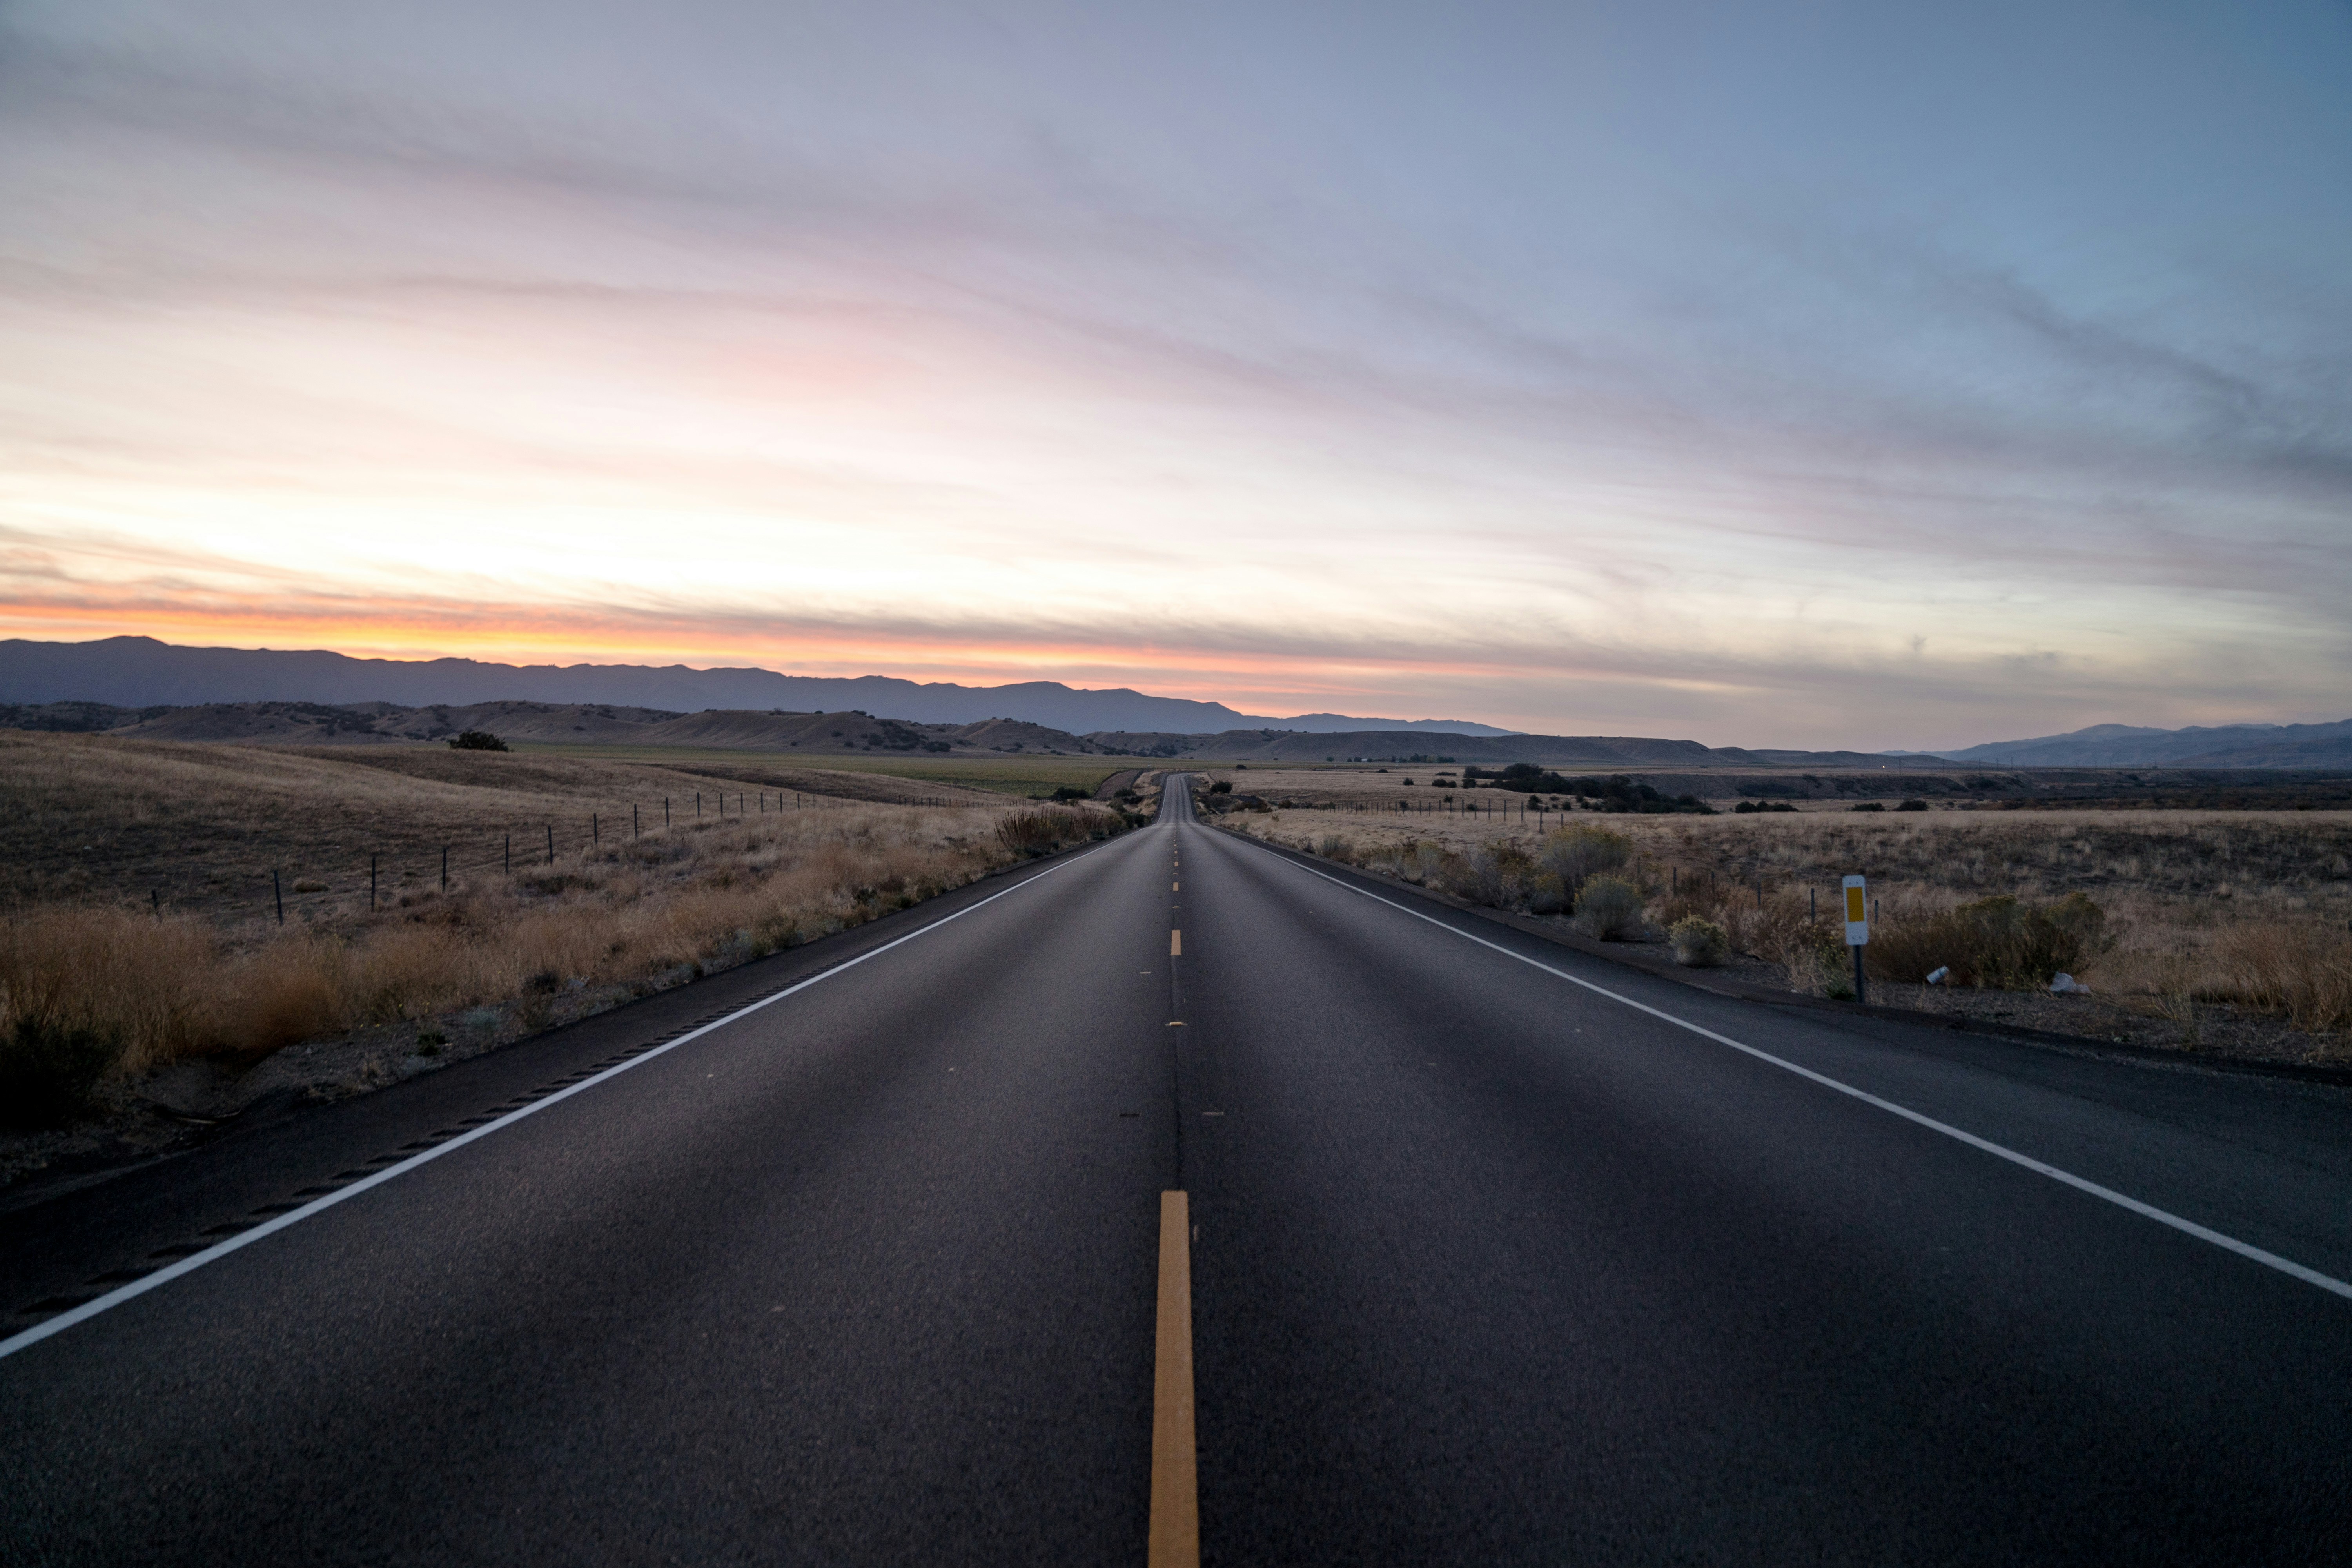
x=997 y=352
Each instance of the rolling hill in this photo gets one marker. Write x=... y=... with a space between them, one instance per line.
x=143 y=672
x=2198 y=746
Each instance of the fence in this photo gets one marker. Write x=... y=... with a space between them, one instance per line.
x=286 y=891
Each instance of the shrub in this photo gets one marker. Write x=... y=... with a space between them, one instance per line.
x=476 y=741
x=1035 y=833
x=1999 y=943
x=1222 y=786
x=1547 y=894
x=1423 y=862
x=1068 y=792
x=1698 y=943
x=1868 y=805
x=1608 y=909
x=1819 y=963
x=1578 y=851
x=1912 y=806
x=1494 y=874
x=1337 y=847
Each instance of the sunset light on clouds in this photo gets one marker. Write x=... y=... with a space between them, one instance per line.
x=1797 y=375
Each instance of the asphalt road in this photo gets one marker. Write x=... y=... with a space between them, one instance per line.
x=1489 y=1266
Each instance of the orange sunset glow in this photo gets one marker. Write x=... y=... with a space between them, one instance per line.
x=835 y=373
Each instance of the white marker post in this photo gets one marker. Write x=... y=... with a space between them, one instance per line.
x=1857 y=932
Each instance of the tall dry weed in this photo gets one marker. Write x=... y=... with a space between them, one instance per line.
x=2302 y=970
x=129 y=991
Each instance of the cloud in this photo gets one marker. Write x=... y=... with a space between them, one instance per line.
x=1015 y=352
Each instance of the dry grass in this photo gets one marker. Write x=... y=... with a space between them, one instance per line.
x=507 y=952
x=2244 y=908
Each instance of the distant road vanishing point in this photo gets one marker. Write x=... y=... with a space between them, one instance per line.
x=1488 y=1252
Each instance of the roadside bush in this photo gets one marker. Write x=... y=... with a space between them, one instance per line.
x=1337 y=847
x=476 y=741
x=1698 y=943
x=1034 y=833
x=1608 y=909
x=1578 y=852
x=1547 y=894
x=1999 y=943
x=1912 y=806
x=1222 y=786
x=1493 y=874
x=1820 y=965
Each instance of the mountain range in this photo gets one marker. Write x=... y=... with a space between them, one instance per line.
x=2198 y=746
x=140 y=672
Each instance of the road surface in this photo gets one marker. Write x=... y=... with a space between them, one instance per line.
x=1487 y=1266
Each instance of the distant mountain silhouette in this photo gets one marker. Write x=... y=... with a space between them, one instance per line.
x=2198 y=746
x=140 y=672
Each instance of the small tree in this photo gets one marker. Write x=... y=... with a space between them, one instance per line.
x=476 y=741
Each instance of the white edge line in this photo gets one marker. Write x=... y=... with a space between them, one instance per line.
x=2121 y=1200
x=194 y=1261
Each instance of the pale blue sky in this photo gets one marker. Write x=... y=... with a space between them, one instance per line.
x=1800 y=375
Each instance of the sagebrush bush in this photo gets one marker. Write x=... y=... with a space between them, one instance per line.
x=1547 y=894
x=1578 y=852
x=1819 y=965
x=1337 y=847
x=2001 y=943
x=1609 y=909
x=1493 y=874
x=1698 y=943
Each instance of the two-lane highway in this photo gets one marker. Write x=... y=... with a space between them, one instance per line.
x=1486 y=1265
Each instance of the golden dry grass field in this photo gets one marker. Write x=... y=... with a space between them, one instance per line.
x=2246 y=909
x=1025 y=775
x=138 y=923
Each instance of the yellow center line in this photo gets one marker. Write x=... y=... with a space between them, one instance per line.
x=1175 y=1540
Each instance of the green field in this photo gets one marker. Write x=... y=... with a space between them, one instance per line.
x=1029 y=776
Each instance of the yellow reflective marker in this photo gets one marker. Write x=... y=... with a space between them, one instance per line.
x=1857 y=914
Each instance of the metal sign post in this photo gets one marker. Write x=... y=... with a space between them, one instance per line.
x=1857 y=932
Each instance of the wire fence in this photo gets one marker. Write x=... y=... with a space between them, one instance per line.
x=304 y=884
x=1501 y=812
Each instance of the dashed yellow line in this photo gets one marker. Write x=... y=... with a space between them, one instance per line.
x=1175 y=944
x=1175 y=1538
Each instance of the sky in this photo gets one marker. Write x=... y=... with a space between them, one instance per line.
x=1805 y=374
